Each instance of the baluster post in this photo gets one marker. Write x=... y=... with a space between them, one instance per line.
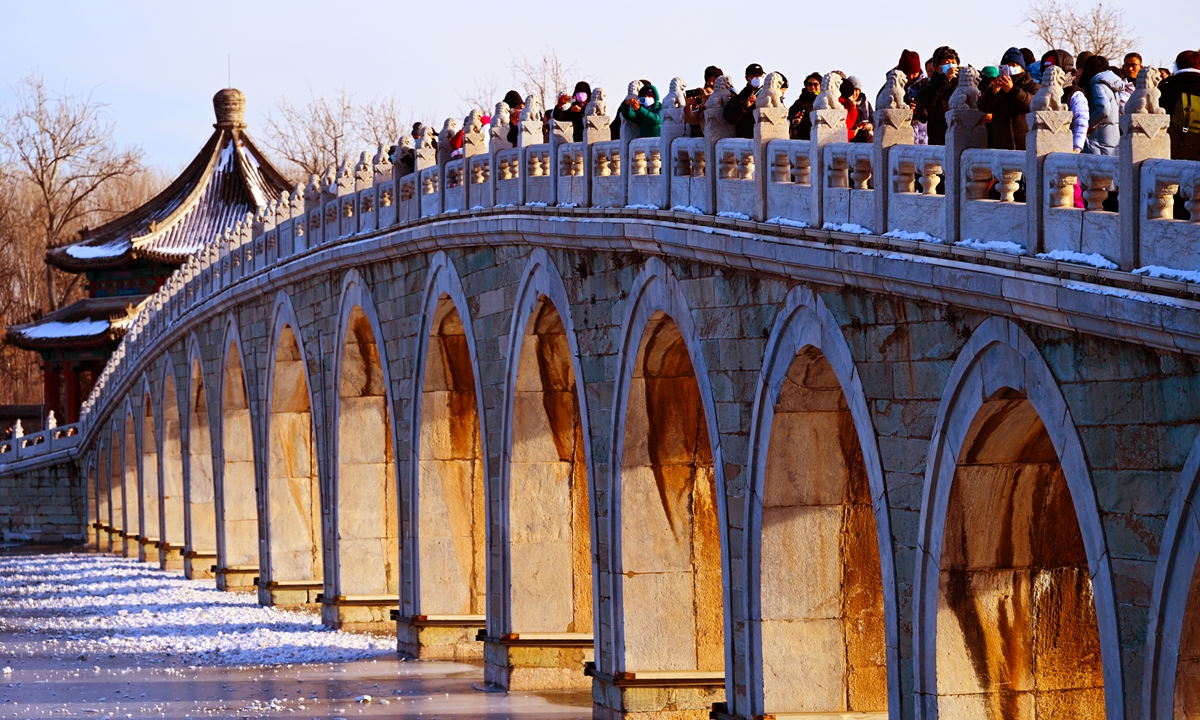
x=1049 y=132
x=1143 y=137
x=893 y=126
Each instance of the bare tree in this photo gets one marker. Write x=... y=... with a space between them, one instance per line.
x=1097 y=29
x=544 y=75
x=61 y=147
x=483 y=96
x=327 y=131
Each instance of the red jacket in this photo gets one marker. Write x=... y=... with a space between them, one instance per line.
x=851 y=117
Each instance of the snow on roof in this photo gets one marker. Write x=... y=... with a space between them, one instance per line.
x=76 y=328
x=108 y=250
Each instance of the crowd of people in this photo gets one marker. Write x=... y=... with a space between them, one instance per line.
x=1095 y=92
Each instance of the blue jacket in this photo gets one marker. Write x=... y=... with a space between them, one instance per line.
x=1104 y=133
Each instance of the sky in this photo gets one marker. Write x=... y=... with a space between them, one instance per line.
x=157 y=64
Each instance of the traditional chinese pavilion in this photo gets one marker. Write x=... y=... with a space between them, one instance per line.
x=129 y=258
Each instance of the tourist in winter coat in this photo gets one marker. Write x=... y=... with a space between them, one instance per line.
x=933 y=101
x=693 y=108
x=1180 y=99
x=1104 y=130
x=515 y=105
x=800 y=113
x=645 y=111
x=1007 y=98
x=572 y=112
x=849 y=101
x=1073 y=97
x=739 y=111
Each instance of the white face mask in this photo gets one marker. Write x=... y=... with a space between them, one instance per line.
x=647 y=101
x=1015 y=70
x=756 y=82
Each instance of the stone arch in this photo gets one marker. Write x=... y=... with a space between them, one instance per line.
x=104 y=498
x=130 y=487
x=200 y=489
x=237 y=512
x=293 y=564
x=823 y=617
x=149 y=481
x=366 y=511
x=173 y=534
x=546 y=492
x=1171 y=688
x=447 y=532
x=669 y=584
x=1006 y=457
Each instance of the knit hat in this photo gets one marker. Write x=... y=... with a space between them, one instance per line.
x=910 y=63
x=991 y=72
x=1013 y=56
x=853 y=80
x=513 y=98
x=582 y=87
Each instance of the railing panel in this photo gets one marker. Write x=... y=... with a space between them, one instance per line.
x=1089 y=229
x=914 y=205
x=408 y=207
x=849 y=195
x=1170 y=234
x=572 y=178
x=983 y=218
x=454 y=189
x=368 y=218
x=506 y=177
x=690 y=187
x=608 y=185
x=539 y=180
x=646 y=183
x=736 y=191
x=789 y=187
x=431 y=191
x=385 y=204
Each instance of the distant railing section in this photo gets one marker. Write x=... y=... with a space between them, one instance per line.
x=962 y=193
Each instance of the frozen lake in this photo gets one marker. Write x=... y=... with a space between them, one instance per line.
x=85 y=635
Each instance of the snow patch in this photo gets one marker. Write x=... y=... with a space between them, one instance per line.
x=688 y=209
x=906 y=235
x=537 y=204
x=734 y=215
x=1115 y=292
x=568 y=205
x=788 y=222
x=846 y=228
x=77 y=328
x=642 y=207
x=92 y=252
x=1159 y=271
x=1003 y=246
x=1095 y=260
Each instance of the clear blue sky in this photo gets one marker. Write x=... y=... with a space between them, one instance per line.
x=157 y=64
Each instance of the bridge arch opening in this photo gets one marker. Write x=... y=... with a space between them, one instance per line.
x=239 y=509
x=1187 y=670
x=368 y=510
x=549 y=514
x=820 y=581
x=131 y=502
x=1017 y=633
x=172 y=483
x=201 y=498
x=151 y=530
x=104 y=499
x=293 y=486
x=93 y=502
x=451 y=516
x=672 y=603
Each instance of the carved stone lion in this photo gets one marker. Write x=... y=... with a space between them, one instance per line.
x=533 y=109
x=426 y=140
x=722 y=89
x=771 y=93
x=675 y=101
x=966 y=95
x=473 y=122
x=635 y=87
x=1049 y=96
x=364 y=171
x=1144 y=99
x=891 y=97
x=449 y=130
x=831 y=90
x=596 y=105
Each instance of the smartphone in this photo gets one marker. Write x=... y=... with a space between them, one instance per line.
x=1005 y=71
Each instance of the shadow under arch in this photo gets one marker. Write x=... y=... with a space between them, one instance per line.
x=149 y=489
x=171 y=489
x=1172 y=642
x=444 y=531
x=806 y=333
x=237 y=487
x=658 y=313
x=1000 y=382
x=199 y=488
x=291 y=501
x=365 y=561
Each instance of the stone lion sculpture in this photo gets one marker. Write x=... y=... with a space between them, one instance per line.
x=473 y=122
x=426 y=140
x=635 y=87
x=1049 y=95
x=674 y=102
x=597 y=106
x=771 y=93
x=891 y=97
x=966 y=95
x=449 y=130
x=1146 y=93
x=533 y=109
x=722 y=89
x=364 y=171
x=831 y=90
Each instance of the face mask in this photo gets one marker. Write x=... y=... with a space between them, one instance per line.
x=756 y=82
x=581 y=97
x=647 y=101
x=946 y=68
x=1015 y=70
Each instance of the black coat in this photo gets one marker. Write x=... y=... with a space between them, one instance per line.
x=574 y=115
x=1008 y=127
x=1183 y=145
x=933 y=101
x=800 y=115
x=741 y=115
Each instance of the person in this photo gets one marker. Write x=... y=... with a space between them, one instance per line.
x=416 y=135
x=515 y=104
x=848 y=99
x=693 y=109
x=1103 y=89
x=799 y=114
x=1180 y=98
x=1007 y=98
x=920 y=119
x=645 y=111
x=1073 y=97
x=933 y=101
x=866 y=110
x=572 y=110
x=739 y=111
x=1129 y=72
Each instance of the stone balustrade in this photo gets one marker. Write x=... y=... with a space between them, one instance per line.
x=960 y=192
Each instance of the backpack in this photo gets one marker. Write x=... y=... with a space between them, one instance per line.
x=1186 y=117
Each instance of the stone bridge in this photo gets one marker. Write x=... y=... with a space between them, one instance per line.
x=727 y=458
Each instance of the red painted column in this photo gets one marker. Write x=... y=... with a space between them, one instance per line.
x=71 y=411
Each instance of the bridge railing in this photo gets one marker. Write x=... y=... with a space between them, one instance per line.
x=1024 y=201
